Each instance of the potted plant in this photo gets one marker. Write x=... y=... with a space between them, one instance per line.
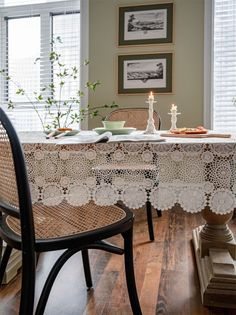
x=56 y=113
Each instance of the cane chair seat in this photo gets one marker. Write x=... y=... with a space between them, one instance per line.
x=66 y=220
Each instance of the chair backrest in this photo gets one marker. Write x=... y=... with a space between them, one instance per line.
x=135 y=117
x=15 y=199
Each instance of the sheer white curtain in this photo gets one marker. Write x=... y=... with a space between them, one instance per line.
x=29 y=31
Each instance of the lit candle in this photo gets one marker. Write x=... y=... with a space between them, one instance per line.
x=150 y=123
x=150 y=102
x=173 y=113
x=173 y=108
x=151 y=97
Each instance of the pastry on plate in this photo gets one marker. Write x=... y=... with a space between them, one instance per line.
x=197 y=130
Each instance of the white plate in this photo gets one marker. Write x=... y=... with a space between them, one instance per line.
x=72 y=132
x=121 y=131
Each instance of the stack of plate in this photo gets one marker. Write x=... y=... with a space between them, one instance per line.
x=119 y=131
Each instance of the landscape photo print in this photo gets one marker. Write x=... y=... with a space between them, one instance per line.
x=140 y=73
x=146 y=24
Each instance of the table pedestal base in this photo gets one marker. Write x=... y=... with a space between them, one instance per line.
x=14 y=264
x=216 y=269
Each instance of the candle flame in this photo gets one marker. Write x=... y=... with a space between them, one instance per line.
x=173 y=107
x=151 y=96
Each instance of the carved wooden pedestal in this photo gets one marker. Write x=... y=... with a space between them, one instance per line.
x=215 y=251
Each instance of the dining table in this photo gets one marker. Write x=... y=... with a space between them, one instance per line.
x=199 y=174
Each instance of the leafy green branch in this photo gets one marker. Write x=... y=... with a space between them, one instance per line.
x=58 y=113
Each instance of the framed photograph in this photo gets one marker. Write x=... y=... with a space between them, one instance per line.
x=146 y=24
x=142 y=73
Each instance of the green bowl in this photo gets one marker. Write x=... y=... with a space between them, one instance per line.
x=113 y=124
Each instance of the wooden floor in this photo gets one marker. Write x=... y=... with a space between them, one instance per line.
x=165 y=271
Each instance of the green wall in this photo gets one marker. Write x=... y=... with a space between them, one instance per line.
x=187 y=51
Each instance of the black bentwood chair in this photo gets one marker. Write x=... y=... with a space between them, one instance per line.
x=38 y=228
x=137 y=118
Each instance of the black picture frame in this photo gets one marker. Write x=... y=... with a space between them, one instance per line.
x=142 y=73
x=146 y=24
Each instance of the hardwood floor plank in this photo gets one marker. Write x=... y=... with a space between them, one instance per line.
x=165 y=270
x=149 y=292
x=172 y=297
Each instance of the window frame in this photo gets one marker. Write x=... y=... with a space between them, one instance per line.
x=209 y=61
x=44 y=10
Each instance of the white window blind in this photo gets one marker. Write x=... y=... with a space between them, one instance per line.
x=68 y=48
x=21 y=56
x=224 y=65
x=29 y=31
x=23 y=2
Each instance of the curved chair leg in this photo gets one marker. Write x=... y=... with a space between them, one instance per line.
x=28 y=284
x=129 y=271
x=149 y=220
x=4 y=261
x=159 y=213
x=87 y=271
x=37 y=255
x=1 y=246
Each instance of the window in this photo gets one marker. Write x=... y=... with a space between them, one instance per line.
x=220 y=81
x=28 y=29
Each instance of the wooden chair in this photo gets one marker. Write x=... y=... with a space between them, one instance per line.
x=137 y=118
x=38 y=228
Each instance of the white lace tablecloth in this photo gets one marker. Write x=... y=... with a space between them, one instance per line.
x=191 y=172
